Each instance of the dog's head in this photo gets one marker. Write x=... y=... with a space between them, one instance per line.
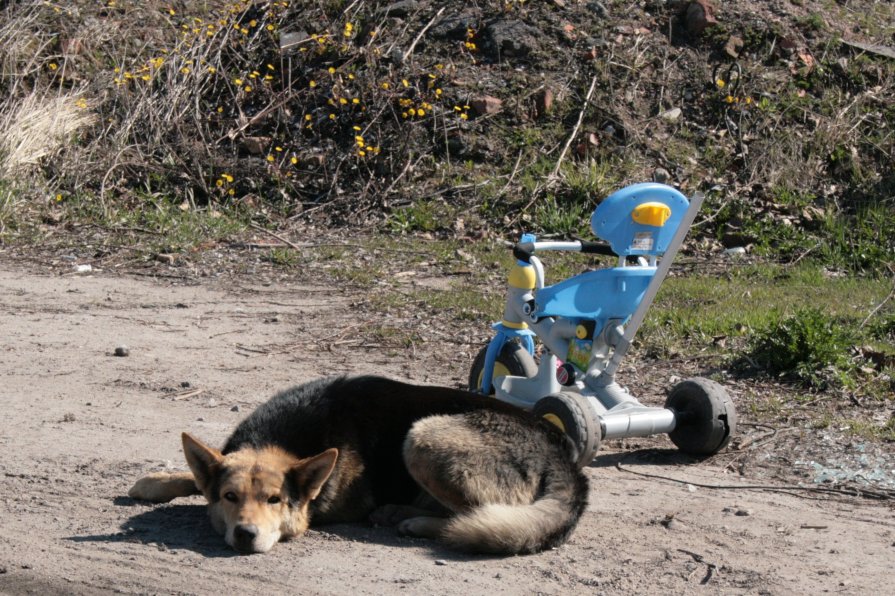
x=257 y=497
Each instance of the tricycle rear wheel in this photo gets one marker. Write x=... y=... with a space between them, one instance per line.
x=705 y=418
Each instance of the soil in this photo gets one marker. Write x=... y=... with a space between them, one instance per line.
x=80 y=424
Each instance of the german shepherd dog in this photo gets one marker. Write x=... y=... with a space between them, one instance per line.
x=473 y=472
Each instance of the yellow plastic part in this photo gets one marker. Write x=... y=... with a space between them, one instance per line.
x=506 y=323
x=581 y=332
x=651 y=214
x=522 y=277
x=555 y=421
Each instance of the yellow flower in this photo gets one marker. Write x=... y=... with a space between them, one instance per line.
x=355 y=127
x=270 y=158
x=343 y=101
x=385 y=85
x=185 y=70
x=405 y=83
x=237 y=81
x=220 y=109
x=227 y=177
x=332 y=116
x=312 y=84
x=464 y=117
x=331 y=70
x=355 y=101
x=270 y=27
x=247 y=88
x=420 y=112
x=53 y=66
x=212 y=69
x=720 y=83
x=307 y=116
x=294 y=160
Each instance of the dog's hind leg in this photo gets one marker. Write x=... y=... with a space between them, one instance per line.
x=161 y=487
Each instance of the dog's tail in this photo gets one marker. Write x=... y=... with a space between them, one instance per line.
x=523 y=528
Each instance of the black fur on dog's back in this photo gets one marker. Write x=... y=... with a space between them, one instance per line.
x=368 y=419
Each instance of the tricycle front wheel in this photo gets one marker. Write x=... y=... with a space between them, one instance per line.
x=572 y=414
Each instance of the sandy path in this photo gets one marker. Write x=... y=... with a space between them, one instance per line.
x=79 y=425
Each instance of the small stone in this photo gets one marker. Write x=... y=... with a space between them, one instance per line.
x=734 y=46
x=212 y=403
x=122 y=351
x=185 y=384
x=235 y=408
x=743 y=512
x=486 y=105
x=440 y=562
x=671 y=115
x=661 y=175
x=544 y=102
x=700 y=16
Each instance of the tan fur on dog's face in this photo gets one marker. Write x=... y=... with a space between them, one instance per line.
x=257 y=497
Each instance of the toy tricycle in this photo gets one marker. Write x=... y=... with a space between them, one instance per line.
x=586 y=325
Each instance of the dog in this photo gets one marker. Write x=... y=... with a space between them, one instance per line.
x=475 y=473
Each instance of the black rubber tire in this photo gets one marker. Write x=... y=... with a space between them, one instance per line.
x=512 y=357
x=704 y=414
x=571 y=413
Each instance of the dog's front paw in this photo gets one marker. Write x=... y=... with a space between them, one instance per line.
x=151 y=488
x=161 y=487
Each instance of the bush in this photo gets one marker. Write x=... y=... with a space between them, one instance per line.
x=809 y=347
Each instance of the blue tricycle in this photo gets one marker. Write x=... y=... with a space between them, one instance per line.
x=586 y=325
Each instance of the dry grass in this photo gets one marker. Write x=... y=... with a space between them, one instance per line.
x=367 y=111
x=39 y=128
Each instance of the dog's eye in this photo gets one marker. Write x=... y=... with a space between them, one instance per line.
x=273 y=500
x=231 y=496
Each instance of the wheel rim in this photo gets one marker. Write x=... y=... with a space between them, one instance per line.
x=500 y=370
x=555 y=421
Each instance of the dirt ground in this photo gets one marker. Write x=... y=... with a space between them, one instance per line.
x=80 y=424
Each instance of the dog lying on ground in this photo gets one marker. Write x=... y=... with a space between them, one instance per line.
x=473 y=472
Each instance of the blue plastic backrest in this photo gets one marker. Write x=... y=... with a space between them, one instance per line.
x=612 y=220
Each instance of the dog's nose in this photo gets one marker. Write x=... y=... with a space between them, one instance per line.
x=244 y=536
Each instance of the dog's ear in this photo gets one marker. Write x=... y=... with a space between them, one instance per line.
x=200 y=459
x=312 y=473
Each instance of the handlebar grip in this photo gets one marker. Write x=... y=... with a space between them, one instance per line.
x=523 y=251
x=597 y=248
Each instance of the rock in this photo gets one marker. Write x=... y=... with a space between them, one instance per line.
x=455 y=26
x=743 y=512
x=167 y=259
x=486 y=105
x=509 y=39
x=400 y=9
x=235 y=408
x=440 y=562
x=291 y=39
x=255 y=145
x=122 y=351
x=699 y=16
x=661 y=175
